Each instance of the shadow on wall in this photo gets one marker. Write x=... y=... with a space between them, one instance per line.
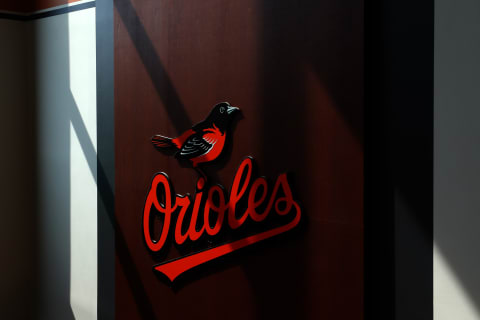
x=67 y=165
x=300 y=40
x=18 y=229
x=312 y=61
x=58 y=113
x=36 y=187
x=457 y=158
x=292 y=54
x=37 y=111
x=44 y=168
x=54 y=103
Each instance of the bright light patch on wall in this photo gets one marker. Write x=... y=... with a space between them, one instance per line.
x=449 y=297
x=83 y=211
x=83 y=233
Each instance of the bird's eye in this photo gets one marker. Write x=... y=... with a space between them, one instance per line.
x=222 y=109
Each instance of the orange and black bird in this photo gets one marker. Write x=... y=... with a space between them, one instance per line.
x=205 y=141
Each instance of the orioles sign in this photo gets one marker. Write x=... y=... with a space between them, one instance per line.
x=212 y=211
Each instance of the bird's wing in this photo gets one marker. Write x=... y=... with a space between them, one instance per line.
x=196 y=146
x=210 y=136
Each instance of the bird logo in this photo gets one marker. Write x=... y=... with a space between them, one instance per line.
x=204 y=142
x=200 y=145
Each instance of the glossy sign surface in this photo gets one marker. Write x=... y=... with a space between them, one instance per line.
x=203 y=144
x=280 y=202
x=296 y=71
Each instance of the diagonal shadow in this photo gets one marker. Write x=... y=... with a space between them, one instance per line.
x=157 y=72
x=124 y=256
x=153 y=65
x=53 y=166
x=159 y=76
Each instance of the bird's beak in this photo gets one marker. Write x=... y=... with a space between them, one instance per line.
x=231 y=109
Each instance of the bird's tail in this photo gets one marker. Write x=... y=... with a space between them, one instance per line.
x=163 y=143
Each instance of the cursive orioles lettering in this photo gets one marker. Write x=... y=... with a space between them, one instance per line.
x=166 y=204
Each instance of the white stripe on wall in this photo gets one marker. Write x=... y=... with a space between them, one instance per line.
x=66 y=113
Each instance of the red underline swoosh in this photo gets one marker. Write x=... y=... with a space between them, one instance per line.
x=173 y=269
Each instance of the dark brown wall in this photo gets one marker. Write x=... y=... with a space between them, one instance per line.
x=28 y=6
x=295 y=70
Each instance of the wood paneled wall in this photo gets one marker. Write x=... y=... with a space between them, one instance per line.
x=28 y=6
x=296 y=71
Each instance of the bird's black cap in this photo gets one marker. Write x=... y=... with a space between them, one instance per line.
x=221 y=115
